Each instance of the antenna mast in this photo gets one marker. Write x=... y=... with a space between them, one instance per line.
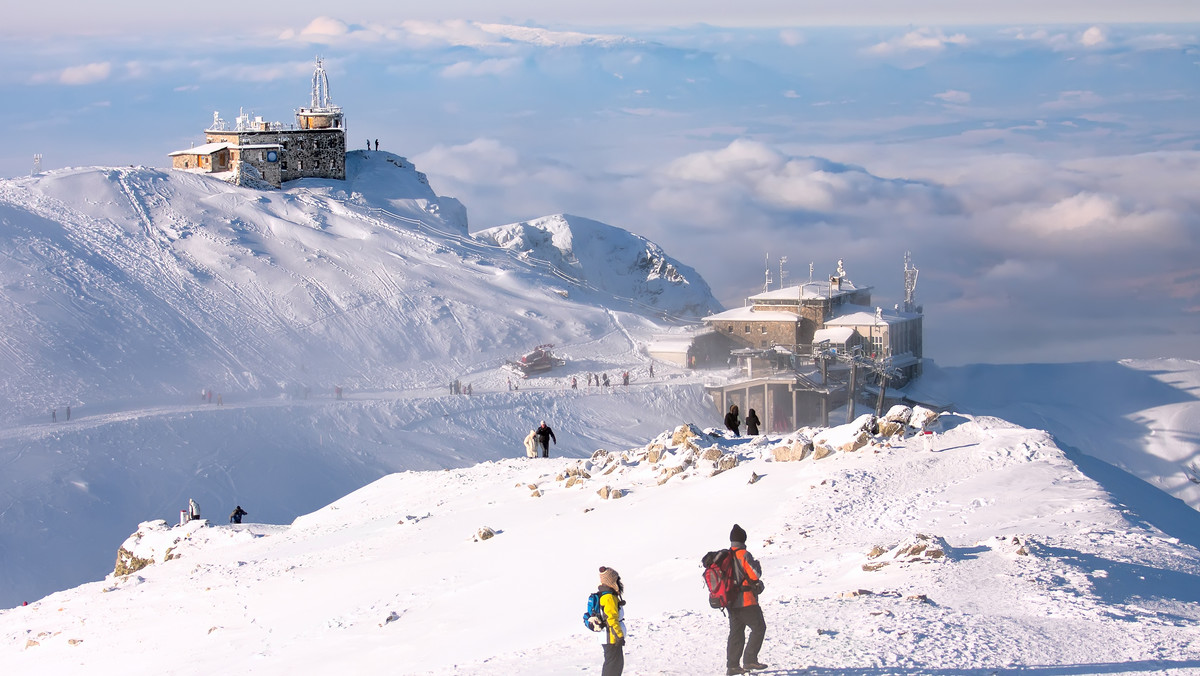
x=910 y=283
x=37 y=165
x=767 y=272
x=782 y=274
x=320 y=88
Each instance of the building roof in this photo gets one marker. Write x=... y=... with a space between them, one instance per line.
x=206 y=149
x=815 y=290
x=838 y=335
x=748 y=314
x=862 y=316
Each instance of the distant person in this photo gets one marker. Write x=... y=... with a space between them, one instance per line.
x=605 y=376
x=732 y=421
x=744 y=610
x=220 y=401
x=752 y=423
x=625 y=378
x=54 y=415
x=612 y=608
x=337 y=391
x=193 y=509
x=237 y=515
x=574 y=383
x=368 y=145
x=376 y=144
x=68 y=413
x=544 y=435
x=651 y=369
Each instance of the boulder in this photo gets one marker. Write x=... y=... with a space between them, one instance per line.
x=856 y=442
x=684 y=433
x=798 y=450
x=608 y=493
x=890 y=428
x=899 y=413
x=728 y=461
x=922 y=418
x=712 y=454
x=485 y=533
x=600 y=457
x=654 y=453
x=821 y=452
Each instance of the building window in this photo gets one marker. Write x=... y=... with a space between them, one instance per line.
x=747 y=328
x=763 y=329
x=729 y=328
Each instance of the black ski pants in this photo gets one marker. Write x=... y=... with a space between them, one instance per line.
x=739 y=619
x=614 y=660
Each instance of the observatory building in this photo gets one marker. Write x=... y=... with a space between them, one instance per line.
x=255 y=151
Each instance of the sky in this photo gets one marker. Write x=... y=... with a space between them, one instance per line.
x=1039 y=166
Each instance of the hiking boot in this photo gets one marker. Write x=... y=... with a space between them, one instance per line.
x=734 y=670
x=754 y=665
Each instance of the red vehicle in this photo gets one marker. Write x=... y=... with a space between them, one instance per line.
x=535 y=361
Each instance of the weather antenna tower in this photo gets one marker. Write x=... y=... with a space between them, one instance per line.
x=910 y=283
x=37 y=165
x=767 y=272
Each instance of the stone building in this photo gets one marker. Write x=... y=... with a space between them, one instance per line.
x=791 y=316
x=797 y=347
x=255 y=150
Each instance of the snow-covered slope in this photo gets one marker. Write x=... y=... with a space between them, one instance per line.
x=1142 y=416
x=126 y=292
x=609 y=260
x=131 y=285
x=1037 y=569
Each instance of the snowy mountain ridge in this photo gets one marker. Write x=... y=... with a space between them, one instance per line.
x=282 y=348
x=989 y=552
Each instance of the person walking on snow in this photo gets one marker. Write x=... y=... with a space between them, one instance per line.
x=752 y=423
x=625 y=378
x=544 y=435
x=612 y=607
x=237 y=515
x=732 y=421
x=744 y=610
x=193 y=509
x=574 y=383
x=606 y=380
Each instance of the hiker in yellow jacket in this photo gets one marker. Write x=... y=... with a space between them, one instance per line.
x=613 y=607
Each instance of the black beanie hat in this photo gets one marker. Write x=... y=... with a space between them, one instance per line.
x=737 y=534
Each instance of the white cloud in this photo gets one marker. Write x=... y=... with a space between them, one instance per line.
x=1074 y=99
x=752 y=171
x=954 y=96
x=1102 y=215
x=86 y=74
x=1093 y=37
x=920 y=40
x=791 y=37
x=791 y=94
x=481 y=68
x=483 y=161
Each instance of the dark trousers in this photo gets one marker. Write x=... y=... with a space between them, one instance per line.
x=739 y=619
x=545 y=445
x=614 y=660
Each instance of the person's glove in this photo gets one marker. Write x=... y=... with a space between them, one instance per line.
x=621 y=641
x=594 y=624
x=759 y=586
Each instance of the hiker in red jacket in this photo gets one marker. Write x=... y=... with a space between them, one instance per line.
x=744 y=610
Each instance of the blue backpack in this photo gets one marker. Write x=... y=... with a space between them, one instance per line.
x=593 y=618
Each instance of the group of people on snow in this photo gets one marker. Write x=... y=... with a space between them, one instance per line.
x=741 y=654
x=734 y=423
x=539 y=441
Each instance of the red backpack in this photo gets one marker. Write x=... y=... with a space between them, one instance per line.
x=721 y=576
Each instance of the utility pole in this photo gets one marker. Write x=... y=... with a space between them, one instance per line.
x=853 y=386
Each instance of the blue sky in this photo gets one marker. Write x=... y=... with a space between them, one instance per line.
x=1042 y=173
